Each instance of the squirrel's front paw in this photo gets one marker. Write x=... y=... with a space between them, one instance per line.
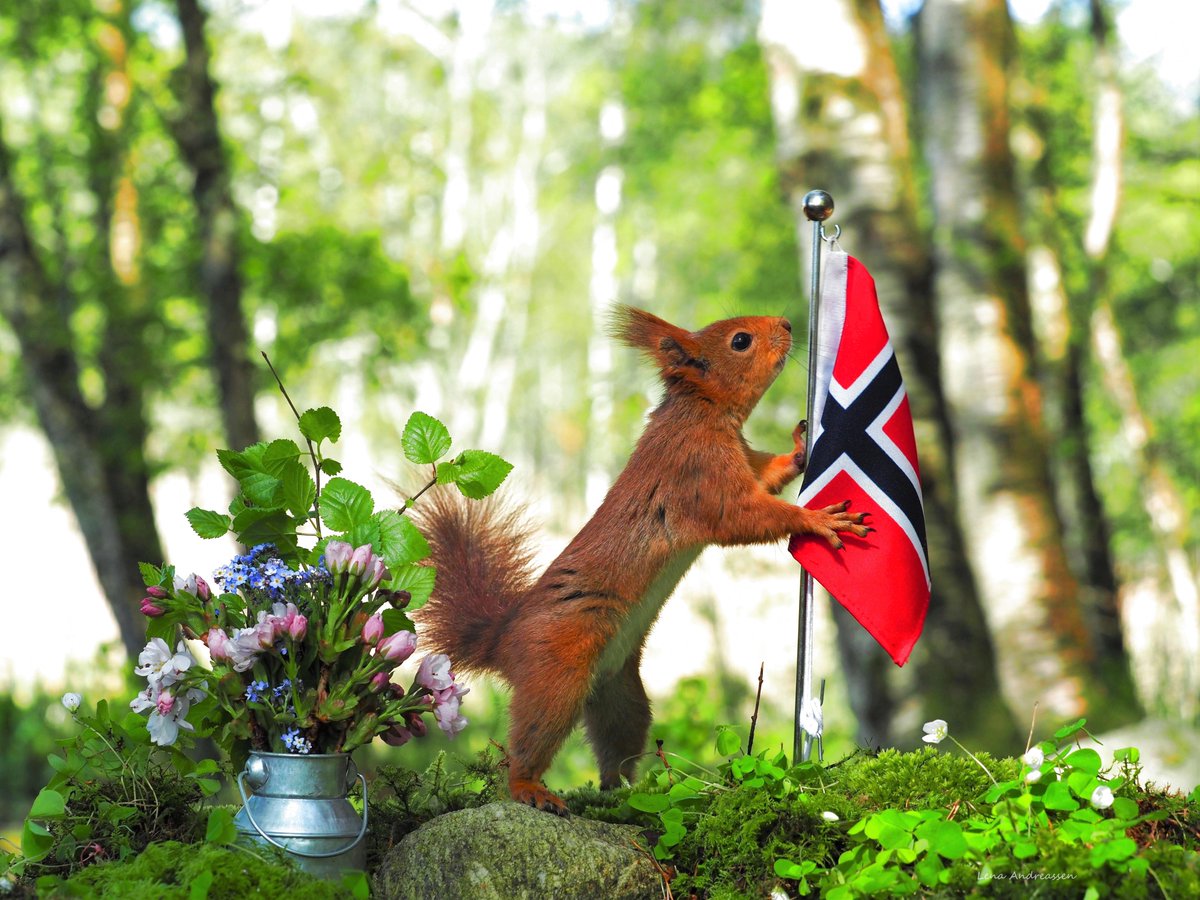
x=533 y=794
x=838 y=519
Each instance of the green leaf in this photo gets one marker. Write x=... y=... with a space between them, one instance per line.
x=262 y=489
x=36 y=841
x=945 y=838
x=400 y=542
x=1124 y=808
x=357 y=884
x=278 y=455
x=1067 y=730
x=198 y=889
x=48 y=805
x=425 y=439
x=728 y=741
x=221 y=829
x=1085 y=760
x=321 y=424
x=206 y=523
x=396 y=620
x=266 y=526
x=1113 y=851
x=1127 y=755
x=299 y=490
x=331 y=466
x=418 y=580
x=345 y=504
x=1058 y=796
x=481 y=473
x=651 y=803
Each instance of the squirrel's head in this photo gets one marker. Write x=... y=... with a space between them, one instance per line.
x=730 y=363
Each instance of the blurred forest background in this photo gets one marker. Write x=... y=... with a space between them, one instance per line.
x=433 y=204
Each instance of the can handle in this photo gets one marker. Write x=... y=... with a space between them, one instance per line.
x=308 y=855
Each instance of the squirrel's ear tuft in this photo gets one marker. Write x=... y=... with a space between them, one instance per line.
x=639 y=329
x=673 y=349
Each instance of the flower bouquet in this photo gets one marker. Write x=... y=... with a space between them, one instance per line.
x=293 y=646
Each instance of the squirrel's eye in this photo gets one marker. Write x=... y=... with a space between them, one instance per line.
x=741 y=341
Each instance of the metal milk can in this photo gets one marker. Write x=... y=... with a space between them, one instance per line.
x=299 y=805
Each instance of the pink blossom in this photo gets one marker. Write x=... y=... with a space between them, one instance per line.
x=397 y=647
x=449 y=719
x=434 y=672
x=372 y=631
x=164 y=703
x=337 y=556
x=150 y=608
x=156 y=592
x=203 y=591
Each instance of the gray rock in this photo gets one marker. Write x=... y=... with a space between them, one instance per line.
x=506 y=851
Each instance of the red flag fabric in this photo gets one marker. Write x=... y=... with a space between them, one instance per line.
x=863 y=450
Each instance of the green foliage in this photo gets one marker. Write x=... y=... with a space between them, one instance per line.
x=111 y=793
x=165 y=870
x=921 y=823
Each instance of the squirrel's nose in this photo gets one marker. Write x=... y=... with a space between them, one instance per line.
x=787 y=326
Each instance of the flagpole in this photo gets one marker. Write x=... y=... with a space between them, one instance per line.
x=818 y=206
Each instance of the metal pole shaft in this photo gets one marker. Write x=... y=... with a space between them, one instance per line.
x=818 y=206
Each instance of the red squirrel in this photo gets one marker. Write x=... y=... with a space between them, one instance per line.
x=569 y=641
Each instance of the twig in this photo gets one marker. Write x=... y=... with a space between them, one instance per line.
x=1032 y=723
x=312 y=451
x=754 y=718
x=660 y=754
x=662 y=873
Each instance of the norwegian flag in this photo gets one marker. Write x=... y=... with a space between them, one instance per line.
x=863 y=450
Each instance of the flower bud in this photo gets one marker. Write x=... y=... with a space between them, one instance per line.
x=397 y=736
x=298 y=627
x=156 y=592
x=220 y=647
x=337 y=556
x=203 y=591
x=372 y=631
x=376 y=572
x=150 y=608
x=416 y=724
x=380 y=680
x=359 y=560
x=397 y=647
x=71 y=701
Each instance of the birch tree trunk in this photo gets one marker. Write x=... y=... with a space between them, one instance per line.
x=198 y=136
x=987 y=350
x=1088 y=534
x=842 y=125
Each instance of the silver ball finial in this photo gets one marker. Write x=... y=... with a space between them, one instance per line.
x=818 y=205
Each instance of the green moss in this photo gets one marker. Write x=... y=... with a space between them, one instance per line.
x=169 y=870
x=922 y=779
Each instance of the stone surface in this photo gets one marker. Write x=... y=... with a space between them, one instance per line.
x=506 y=851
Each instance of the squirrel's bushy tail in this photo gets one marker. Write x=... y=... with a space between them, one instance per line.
x=482 y=552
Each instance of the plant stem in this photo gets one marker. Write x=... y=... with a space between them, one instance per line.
x=312 y=451
x=974 y=757
x=754 y=718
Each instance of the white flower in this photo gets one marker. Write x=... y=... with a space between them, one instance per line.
x=829 y=816
x=1033 y=776
x=1033 y=757
x=168 y=715
x=159 y=666
x=1102 y=797
x=935 y=731
x=71 y=701
x=812 y=720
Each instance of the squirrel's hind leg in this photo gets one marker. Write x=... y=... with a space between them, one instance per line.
x=545 y=707
x=617 y=717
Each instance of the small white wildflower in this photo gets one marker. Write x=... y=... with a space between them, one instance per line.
x=935 y=731
x=1033 y=776
x=1033 y=757
x=1102 y=797
x=71 y=701
x=830 y=816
